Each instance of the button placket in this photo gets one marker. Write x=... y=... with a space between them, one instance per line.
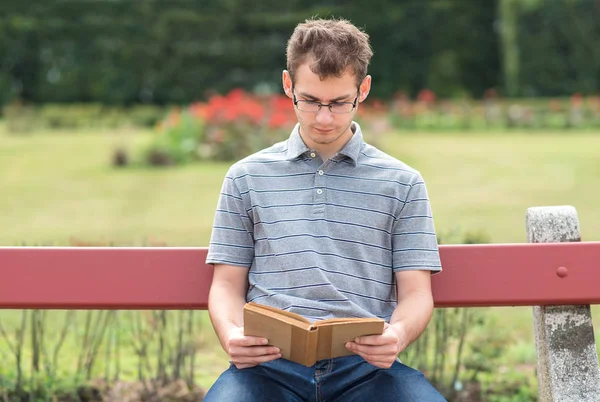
x=320 y=187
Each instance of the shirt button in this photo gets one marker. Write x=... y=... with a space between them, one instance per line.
x=312 y=154
x=319 y=191
x=320 y=173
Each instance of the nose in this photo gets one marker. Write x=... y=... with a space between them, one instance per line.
x=324 y=115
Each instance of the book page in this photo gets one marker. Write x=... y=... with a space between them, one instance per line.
x=350 y=319
x=287 y=316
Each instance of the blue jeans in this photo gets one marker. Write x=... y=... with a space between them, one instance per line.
x=343 y=379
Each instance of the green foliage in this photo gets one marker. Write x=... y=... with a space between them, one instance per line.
x=179 y=51
x=497 y=114
x=74 y=356
x=38 y=388
x=226 y=128
x=26 y=118
x=20 y=118
x=488 y=343
x=509 y=386
x=558 y=41
x=177 y=142
x=458 y=236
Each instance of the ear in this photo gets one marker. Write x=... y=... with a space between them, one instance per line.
x=287 y=83
x=364 y=88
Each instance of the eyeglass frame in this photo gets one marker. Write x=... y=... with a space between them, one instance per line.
x=353 y=103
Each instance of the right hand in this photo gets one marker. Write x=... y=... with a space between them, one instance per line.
x=249 y=351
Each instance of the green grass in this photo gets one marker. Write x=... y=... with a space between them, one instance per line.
x=60 y=186
x=488 y=182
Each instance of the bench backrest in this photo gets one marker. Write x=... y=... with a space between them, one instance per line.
x=178 y=278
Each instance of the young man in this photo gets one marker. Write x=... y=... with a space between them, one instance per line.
x=324 y=225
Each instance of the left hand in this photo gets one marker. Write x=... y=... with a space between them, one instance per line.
x=380 y=350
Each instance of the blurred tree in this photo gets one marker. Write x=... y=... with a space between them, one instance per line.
x=123 y=52
x=508 y=29
x=559 y=42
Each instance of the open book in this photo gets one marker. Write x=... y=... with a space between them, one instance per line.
x=300 y=340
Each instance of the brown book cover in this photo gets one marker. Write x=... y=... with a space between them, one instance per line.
x=300 y=340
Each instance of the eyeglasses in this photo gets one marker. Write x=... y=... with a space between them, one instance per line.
x=334 y=107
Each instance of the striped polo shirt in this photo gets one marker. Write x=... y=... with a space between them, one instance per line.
x=323 y=239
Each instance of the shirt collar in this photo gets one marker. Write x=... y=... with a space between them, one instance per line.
x=297 y=147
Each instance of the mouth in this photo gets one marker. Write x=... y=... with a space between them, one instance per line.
x=323 y=131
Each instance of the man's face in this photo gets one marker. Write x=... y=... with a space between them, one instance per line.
x=323 y=130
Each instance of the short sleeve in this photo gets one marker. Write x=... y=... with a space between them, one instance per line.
x=232 y=239
x=414 y=241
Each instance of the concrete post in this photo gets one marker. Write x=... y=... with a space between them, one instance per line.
x=564 y=337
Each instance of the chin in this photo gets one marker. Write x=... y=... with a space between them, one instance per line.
x=325 y=138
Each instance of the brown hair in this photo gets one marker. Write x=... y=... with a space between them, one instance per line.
x=331 y=46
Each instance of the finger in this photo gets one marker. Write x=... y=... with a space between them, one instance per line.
x=250 y=361
x=249 y=341
x=254 y=351
x=378 y=361
x=377 y=350
x=374 y=340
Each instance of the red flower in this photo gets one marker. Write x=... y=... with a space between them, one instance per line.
x=281 y=103
x=198 y=110
x=576 y=99
x=426 y=96
x=278 y=120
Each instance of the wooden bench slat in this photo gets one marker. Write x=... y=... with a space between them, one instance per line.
x=104 y=278
x=518 y=275
x=178 y=278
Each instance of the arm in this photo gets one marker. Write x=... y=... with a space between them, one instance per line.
x=225 y=307
x=415 y=305
x=409 y=320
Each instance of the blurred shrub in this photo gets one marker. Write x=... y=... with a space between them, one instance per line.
x=509 y=386
x=74 y=116
x=176 y=141
x=493 y=113
x=225 y=128
x=457 y=236
x=240 y=123
x=22 y=118
x=145 y=115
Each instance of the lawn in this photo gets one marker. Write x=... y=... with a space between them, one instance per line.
x=60 y=186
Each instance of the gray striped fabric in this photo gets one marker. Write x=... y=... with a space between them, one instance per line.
x=323 y=239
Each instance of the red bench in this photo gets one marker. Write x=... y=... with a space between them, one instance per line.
x=178 y=278
x=536 y=274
